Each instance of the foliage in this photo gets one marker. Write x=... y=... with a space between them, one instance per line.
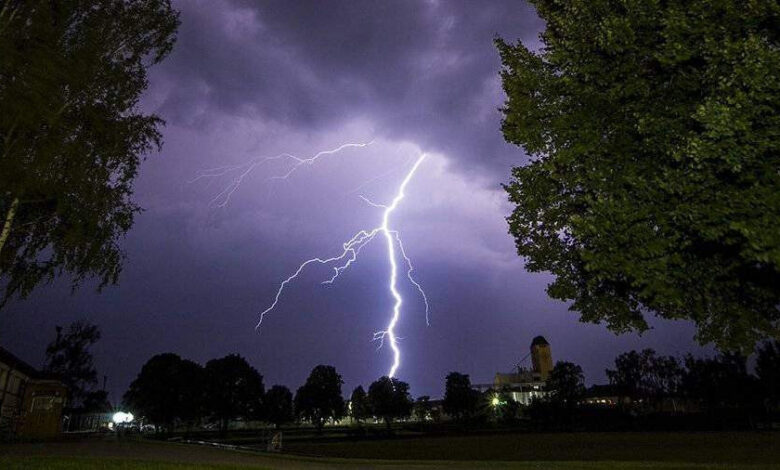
x=70 y=359
x=566 y=383
x=460 y=400
x=167 y=389
x=719 y=382
x=278 y=405
x=646 y=375
x=96 y=401
x=71 y=133
x=234 y=389
x=653 y=186
x=358 y=404
x=319 y=399
x=422 y=408
x=768 y=371
x=390 y=399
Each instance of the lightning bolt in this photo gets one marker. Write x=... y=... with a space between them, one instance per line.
x=241 y=171
x=350 y=250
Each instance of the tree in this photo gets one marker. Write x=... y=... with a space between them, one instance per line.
x=279 y=405
x=69 y=357
x=71 y=133
x=460 y=400
x=422 y=408
x=389 y=398
x=718 y=382
x=646 y=375
x=768 y=371
x=358 y=404
x=653 y=183
x=566 y=384
x=234 y=389
x=167 y=389
x=319 y=399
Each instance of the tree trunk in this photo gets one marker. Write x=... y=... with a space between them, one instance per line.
x=9 y=220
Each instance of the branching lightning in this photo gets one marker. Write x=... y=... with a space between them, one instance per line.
x=350 y=250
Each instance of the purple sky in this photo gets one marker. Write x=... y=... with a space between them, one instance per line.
x=248 y=79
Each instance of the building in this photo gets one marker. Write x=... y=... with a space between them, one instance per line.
x=31 y=402
x=524 y=385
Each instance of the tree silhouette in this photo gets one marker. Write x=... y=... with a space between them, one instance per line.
x=279 y=405
x=72 y=134
x=389 y=398
x=69 y=357
x=319 y=399
x=234 y=389
x=460 y=400
x=358 y=403
x=167 y=389
x=768 y=372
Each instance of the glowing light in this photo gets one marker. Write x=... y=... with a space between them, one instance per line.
x=122 y=417
x=350 y=249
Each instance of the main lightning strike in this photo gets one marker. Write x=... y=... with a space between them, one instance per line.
x=350 y=249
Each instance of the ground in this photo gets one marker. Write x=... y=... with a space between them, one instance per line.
x=529 y=451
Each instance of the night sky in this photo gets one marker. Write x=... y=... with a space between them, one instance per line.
x=248 y=79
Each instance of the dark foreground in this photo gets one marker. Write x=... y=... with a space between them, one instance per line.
x=521 y=451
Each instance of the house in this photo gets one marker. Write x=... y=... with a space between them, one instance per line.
x=31 y=401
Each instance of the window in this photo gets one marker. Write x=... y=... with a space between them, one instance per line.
x=42 y=404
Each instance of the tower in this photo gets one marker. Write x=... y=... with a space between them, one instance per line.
x=541 y=357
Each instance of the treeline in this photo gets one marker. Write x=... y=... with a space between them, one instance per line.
x=650 y=390
x=172 y=392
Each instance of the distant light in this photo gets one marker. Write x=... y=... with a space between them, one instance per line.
x=122 y=417
x=495 y=401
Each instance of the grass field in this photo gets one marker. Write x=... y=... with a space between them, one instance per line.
x=611 y=451
x=735 y=448
x=91 y=463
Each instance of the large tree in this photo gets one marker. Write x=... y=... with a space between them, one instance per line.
x=358 y=404
x=460 y=399
x=768 y=372
x=654 y=178
x=168 y=389
x=389 y=398
x=72 y=134
x=69 y=357
x=646 y=375
x=234 y=389
x=566 y=384
x=319 y=399
x=278 y=405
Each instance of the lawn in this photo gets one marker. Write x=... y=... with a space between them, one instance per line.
x=617 y=451
x=733 y=447
x=93 y=463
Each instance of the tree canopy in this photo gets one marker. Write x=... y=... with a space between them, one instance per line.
x=358 y=404
x=319 y=399
x=566 y=383
x=653 y=130
x=71 y=133
x=234 y=389
x=389 y=398
x=168 y=389
x=278 y=405
x=69 y=358
x=460 y=400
